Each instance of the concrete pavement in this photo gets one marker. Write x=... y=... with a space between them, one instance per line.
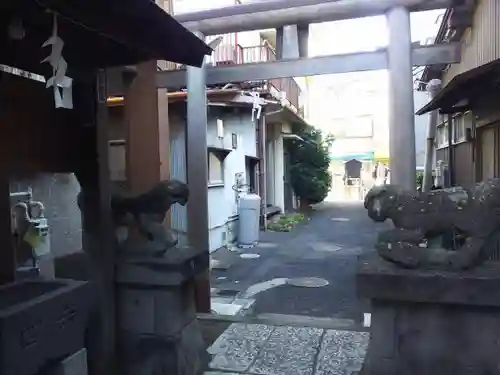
x=325 y=247
x=268 y=350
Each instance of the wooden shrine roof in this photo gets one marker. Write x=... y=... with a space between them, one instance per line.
x=97 y=34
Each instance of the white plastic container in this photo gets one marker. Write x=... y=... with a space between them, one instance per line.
x=249 y=217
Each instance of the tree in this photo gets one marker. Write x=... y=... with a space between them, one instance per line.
x=310 y=161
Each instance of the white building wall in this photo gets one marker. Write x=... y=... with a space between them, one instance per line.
x=343 y=105
x=275 y=166
x=222 y=199
x=223 y=204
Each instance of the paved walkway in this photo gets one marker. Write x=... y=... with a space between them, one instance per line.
x=267 y=350
x=325 y=247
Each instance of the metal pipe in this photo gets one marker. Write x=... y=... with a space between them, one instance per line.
x=401 y=111
x=279 y=13
x=261 y=125
x=433 y=88
x=451 y=167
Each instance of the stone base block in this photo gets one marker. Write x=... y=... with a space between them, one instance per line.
x=431 y=322
x=183 y=354
x=155 y=311
x=155 y=296
x=157 y=314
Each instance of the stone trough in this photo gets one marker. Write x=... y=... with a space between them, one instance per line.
x=41 y=322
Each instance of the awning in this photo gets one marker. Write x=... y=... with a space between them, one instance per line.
x=381 y=156
x=460 y=94
x=98 y=33
x=352 y=156
x=285 y=114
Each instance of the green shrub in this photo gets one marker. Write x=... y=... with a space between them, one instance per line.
x=285 y=223
x=310 y=161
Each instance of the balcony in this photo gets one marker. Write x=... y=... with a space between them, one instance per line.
x=229 y=52
x=265 y=52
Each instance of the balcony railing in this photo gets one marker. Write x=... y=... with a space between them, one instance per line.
x=229 y=52
x=264 y=52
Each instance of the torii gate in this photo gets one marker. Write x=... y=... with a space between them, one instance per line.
x=291 y=19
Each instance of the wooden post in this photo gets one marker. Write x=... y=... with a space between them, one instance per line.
x=148 y=135
x=97 y=239
x=7 y=252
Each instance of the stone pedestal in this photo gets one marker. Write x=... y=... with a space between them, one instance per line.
x=41 y=321
x=431 y=322
x=159 y=332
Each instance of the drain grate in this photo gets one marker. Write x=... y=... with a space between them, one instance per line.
x=308 y=282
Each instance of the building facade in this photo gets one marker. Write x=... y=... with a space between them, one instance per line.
x=234 y=154
x=354 y=108
x=469 y=151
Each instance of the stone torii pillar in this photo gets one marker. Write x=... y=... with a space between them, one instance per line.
x=197 y=176
x=401 y=106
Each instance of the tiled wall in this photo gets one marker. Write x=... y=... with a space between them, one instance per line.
x=58 y=193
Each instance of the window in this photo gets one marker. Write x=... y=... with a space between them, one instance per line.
x=117 y=160
x=251 y=166
x=458 y=129
x=215 y=169
x=442 y=135
x=460 y=125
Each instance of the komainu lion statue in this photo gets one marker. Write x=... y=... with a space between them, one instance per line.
x=468 y=219
x=145 y=214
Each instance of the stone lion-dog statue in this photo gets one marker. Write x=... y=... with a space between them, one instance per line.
x=470 y=218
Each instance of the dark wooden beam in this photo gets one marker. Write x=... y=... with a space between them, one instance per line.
x=97 y=238
x=7 y=250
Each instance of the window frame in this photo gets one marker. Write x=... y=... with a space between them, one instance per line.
x=442 y=140
x=219 y=154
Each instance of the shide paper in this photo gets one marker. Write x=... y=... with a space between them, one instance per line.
x=60 y=83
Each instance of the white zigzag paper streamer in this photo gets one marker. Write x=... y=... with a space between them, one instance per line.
x=60 y=83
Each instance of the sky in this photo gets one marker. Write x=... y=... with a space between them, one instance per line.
x=365 y=34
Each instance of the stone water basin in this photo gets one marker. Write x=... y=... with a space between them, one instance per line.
x=41 y=321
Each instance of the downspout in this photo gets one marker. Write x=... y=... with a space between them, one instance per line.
x=451 y=177
x=261 y=153
x=433 y=88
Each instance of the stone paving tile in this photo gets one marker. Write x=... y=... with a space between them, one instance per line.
x=237 y=348
x=342 y=353
x=288 y=351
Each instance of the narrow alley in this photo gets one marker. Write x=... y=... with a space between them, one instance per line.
x=309 y=271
